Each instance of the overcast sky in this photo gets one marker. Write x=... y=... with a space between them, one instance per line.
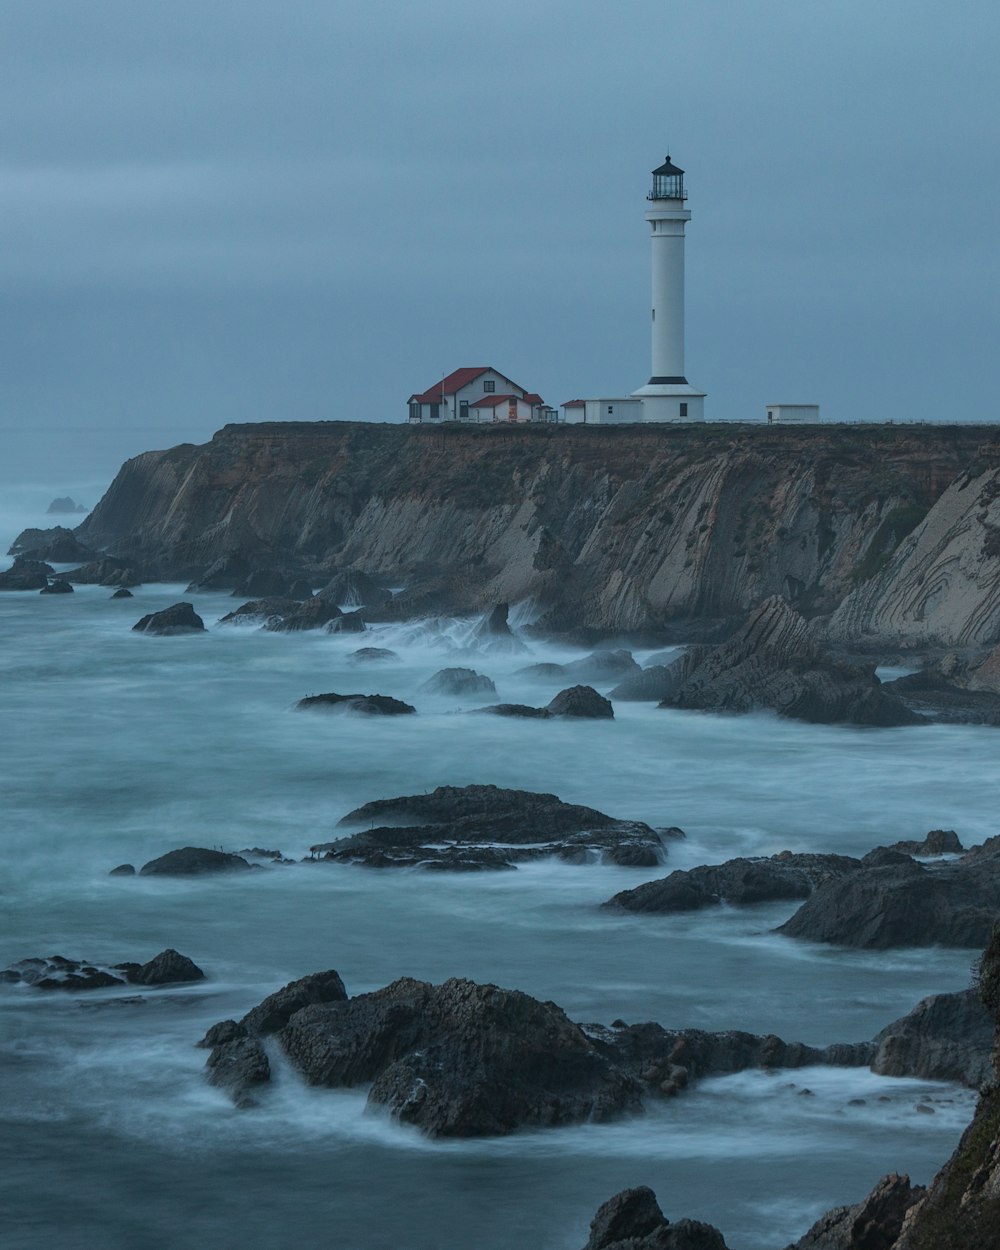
x=244 y=210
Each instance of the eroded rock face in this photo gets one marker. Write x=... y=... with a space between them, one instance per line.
x=369 y=704
x=57 y=544
x=872 y=1224
x=632 y=1220
x=486 y=827
x=772 y=663
x=947 y=1037
x=180 y=618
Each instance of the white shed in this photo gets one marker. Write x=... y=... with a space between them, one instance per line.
x=800 y=414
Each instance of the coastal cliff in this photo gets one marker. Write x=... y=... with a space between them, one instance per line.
x=606 y=529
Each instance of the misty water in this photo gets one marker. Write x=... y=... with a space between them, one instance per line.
x=117 y=747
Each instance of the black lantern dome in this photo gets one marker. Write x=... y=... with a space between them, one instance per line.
x=668 y=182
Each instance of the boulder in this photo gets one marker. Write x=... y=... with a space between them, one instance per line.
x=543 y=672
x=603 y=666
x=65 y=504
x=122 y=593
x=193 y=861
x=25 y=574
x=312 y=613
x=459 y=681
x=632 y=1220
x=947 y=1037
x=737 y=882
x=278 y=1008
x=105 y=571
x=583 y=702
x=57 y=544
x=772 y=663
x=258 y=611
x=872 y=1224
x=516 y=709
x=123 y=870
x=58 y=973
x=904 y=904
x=649 y=685
x=370 y=704
x=937 y=842
x=57 y=587
x=372 y=655
x=238 y=1067
x=179 y=618
x=348 y=623
x=486 y=827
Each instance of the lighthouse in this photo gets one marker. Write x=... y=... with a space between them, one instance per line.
x=668 y=396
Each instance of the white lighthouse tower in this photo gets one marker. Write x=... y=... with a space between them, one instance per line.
x=668 y=396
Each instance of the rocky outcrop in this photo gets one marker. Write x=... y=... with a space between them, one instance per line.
x=57 y=973
x=772 y=663
x=57 y=587
x=179 y=618
x=947 y=1037
x=106 y=571
x=193 y=861
x=737 y=881
x=460 y=681
x=582 y=702
x=632 y=1220
x=57 y=544
x=606 y=528
x=26 y=574
x=64 y=504
x=872 y=1224
x=353 y=588
x=486 y=827
x=369 y=704
x=937 y=842
x=372 y=655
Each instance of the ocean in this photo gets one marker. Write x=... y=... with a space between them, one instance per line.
x=117 y=747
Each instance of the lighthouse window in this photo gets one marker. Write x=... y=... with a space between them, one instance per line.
x=489 y=387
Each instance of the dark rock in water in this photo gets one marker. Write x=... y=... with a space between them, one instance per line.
x=261 y=584
x=647 y=686
x=773 y=663
x=105 y=571
x=300 y=589
x=370 y=704
x=947 y=1037
x=312 y=613
x=193 y=860
x=226 y=573
x=463 y=827
x=496 y=625
x=373 y=655
x=544 y=672
x=25 y=574
x=459 y=681
x=122 y=593
x=883 y=856
x=738 y=881
x=632 y=1220
x=355 y=589
x=278 y=1008
x=516 y=709
x=460 y=1059
x=603 y=666
x=937 y=698
x=58 y=973
x=239 y=1067
x=872 y=1224
x=349 y=623
x=57 y=587
x=261 y=610
x=65 y=504
x=937 y=842
x=123 y=870
x=57 y=544
x=905 y=904
x=581 y=701
x=179 y=618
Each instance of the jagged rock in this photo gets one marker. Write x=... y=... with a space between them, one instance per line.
x=226 y=573
x=737 y=881
x=459 y=681
x=349 y=623
x=57 y=544
x=485 y=827
x=25 y=574
x=647 y=686
x=905 y=904
x=122 y=593
x=937 y=842
x=772 y=663
x=355 y=589
x=261 y=610
x=496 y=625
x=460 y=1059
x=239 y=1067
x=947 y=1037
x=105 y=571
x=57 y=587
x=63 y=505
x=123 y=870
x=59 y=973
x=581 y=701
x=179 y=618
x=193 y=860
x=872 y=1224
x=603 y=666
x=278 y=1008
x=632 y=1220
x=370 y=704
x=373 y=655
x=312 y=613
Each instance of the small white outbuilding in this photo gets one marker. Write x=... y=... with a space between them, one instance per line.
x=786 y=414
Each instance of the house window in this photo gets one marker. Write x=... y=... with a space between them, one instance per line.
x=489 y=387
x=414 y=411
x=435 y=411
x=684 y=410
x=463 y=410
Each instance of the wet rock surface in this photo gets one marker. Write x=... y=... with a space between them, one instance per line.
x=58 y=586
x=369 y=704
x=486 y=827
x=576 y=701
x=632 y=1220
x=179 y=618
x=356 y=589
x=26 y=574
x=57 y=544
x=192 y=861
x=947 y=1037
x=772 y=663
x=460 y=681
x=872 y=1224
x=59 y=973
